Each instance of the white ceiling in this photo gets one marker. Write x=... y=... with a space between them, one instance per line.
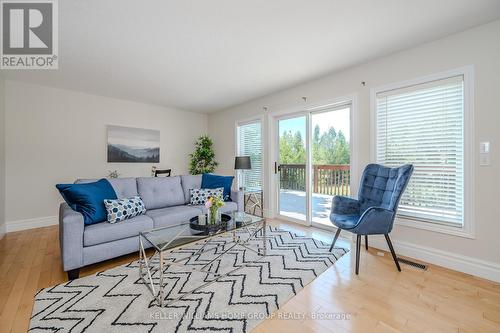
x=211 y=54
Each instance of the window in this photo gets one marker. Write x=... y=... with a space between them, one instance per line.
x=424 y=123
x=249 y=143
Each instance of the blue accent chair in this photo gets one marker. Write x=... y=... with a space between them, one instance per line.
x=374 y=211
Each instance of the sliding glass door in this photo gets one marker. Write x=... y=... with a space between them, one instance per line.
x=292 y=158
x=312 y=162
x=330 y=174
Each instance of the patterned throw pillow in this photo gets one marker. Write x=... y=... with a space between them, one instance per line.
x=200 y=195
x=122 y=209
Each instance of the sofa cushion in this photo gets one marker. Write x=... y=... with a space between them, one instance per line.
x=228 y=207
x=160 y=192
x=110 y=250
x=124 y=187
x=88 y=199
x=124 y=209
x=189 y=182
x=209 y=180
x=108 y=232
x=199 y=196
x=172 y=215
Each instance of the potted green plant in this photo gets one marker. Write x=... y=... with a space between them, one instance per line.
x=203 y=157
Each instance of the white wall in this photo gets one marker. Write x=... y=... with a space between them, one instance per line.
x=56 y=136
x=2 y=157
x=479 y=47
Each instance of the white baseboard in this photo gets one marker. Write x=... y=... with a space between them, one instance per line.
x=477 y=267
x=31 y=223
x=268 y=213
x=3 y=230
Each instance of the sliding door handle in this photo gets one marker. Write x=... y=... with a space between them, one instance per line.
x=277 y=168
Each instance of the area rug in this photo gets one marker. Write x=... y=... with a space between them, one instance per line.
x=117 y=300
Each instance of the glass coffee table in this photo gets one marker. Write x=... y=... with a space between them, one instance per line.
x=165 y=239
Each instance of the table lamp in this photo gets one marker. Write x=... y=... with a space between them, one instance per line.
x=242 y=163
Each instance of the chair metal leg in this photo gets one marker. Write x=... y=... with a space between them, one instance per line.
x=366 y=242
x=389 y=243
x=358 y=249
x=335 y=238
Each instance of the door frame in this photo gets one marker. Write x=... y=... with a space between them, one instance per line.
x=274 y=179
x=247 y=121
x=325 y=109
x=307 y=110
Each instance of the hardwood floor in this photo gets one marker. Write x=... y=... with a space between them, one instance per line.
x=378 y=300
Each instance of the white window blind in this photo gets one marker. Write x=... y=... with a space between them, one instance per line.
x=424 y=125
x=250 y=144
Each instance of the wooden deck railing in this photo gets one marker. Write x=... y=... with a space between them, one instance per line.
x=330 y=179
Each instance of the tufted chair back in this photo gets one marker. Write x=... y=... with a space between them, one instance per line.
x=382 y=186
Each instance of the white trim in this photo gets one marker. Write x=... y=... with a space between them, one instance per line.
x=477 y=267
x=268 y=213
x=432 y=226
x=468 y=228
x=275 y=145
x=308 y=178
x=38 y=222
x=354 y=158
x=326 y=227
x=291 y=219
x=306 y=110
x=271 y=124
x=248 y=121
x=3 y=230
x=327 y=103
x=253 y=120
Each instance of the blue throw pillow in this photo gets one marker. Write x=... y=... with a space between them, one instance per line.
x=88 y=199
x=209 y=180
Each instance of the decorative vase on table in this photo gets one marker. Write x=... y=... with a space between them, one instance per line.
x=214 y=215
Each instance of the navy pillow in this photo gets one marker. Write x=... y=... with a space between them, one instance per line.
x=88 y=199
x=209 y=180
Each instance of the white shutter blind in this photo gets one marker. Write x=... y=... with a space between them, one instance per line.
x=250 y=144
x=424 y=125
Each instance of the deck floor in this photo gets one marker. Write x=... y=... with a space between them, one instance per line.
x=293 y=204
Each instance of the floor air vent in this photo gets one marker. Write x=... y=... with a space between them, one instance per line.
x=412 y=263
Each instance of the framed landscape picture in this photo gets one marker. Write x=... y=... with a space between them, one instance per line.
x=133 y=145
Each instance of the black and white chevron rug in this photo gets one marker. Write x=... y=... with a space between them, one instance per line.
x=117 y=300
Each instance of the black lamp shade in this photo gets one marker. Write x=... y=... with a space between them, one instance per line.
x=242 y=163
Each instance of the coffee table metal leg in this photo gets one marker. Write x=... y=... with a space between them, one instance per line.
x=217 y=257
x=147 y=265
x=160 y=292
x=141 y=261
x=264 y=238
x=262 y=248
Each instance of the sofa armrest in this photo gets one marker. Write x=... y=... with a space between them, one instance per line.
x=238 y=197
x=71 y=228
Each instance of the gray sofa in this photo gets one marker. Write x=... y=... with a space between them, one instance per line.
x=166 y=200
